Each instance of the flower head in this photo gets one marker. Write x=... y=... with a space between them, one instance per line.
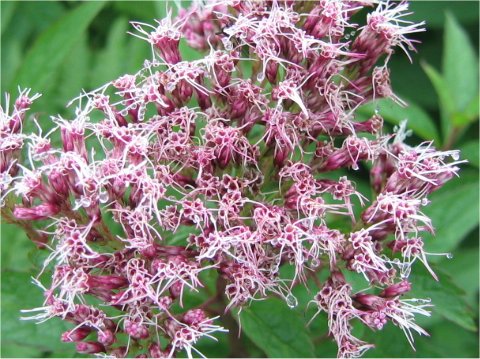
x=233 y=166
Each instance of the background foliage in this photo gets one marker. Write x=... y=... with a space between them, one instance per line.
x=58 y=48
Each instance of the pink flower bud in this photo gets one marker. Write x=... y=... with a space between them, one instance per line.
x=396 y=289
x=106 y=337
x=42 y=211
x=76 y=335
x=90 y=347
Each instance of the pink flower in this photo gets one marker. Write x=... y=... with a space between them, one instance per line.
x=231 y=166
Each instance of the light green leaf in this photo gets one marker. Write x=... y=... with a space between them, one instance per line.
x=460 y=64
x=448 y=299
x=454 y=213
x=53 y=45
x=418 y=120
x=470 y=151
x=276 y=329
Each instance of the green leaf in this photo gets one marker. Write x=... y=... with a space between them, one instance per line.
x=447 y=105
x=418 y=120
x=470 y=151
x=469 y=115
x=446 y=340
x=40 y=16
x=16 y=248
x=211 y=348
x=460 y=64
x=66 y=84
x=446 y=296
x=454 y=213
x=276 y=329
x=8 y=8
x=434 y=13
x=9 y=350
x=53 y=45
x=19 y=293
x=11 y=56
x=110 y=63
x=452 y=341
x=464 y=267
x=135 y=12
x=390 y=342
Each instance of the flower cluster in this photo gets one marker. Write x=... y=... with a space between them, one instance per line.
x=235 y=164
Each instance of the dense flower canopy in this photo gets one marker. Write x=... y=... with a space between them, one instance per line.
x=237 y=163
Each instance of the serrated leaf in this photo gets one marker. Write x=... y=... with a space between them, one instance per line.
x=446 y=296
x=276 y=329
x=460 y=64
x=454 y=213
x=53 y=45
x=418 y=120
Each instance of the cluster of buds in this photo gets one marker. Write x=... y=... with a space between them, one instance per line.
x=233 y=164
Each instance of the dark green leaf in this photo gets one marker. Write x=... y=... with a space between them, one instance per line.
x=418 y=120
x=276 y=329
x=53 y=45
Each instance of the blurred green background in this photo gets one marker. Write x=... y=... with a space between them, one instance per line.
x=58 y=48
